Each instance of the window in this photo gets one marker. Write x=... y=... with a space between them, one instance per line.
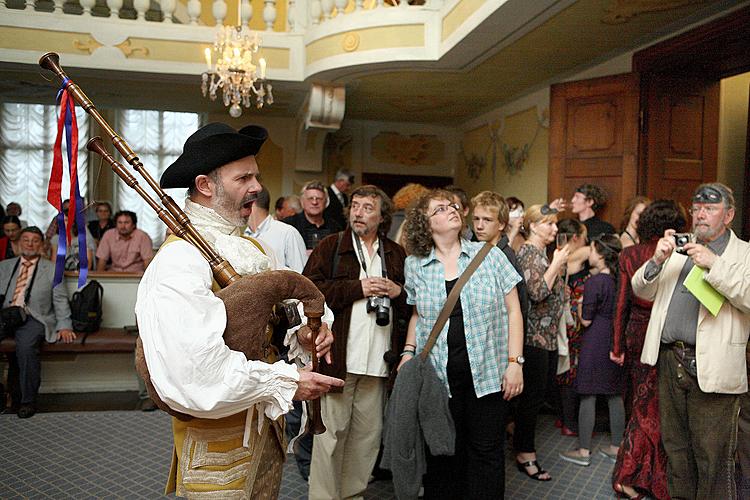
x=157 y=138
x=27 y=137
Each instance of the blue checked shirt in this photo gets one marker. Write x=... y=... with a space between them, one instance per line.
x=483 y=303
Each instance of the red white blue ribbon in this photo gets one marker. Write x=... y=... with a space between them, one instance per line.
x=67 y=121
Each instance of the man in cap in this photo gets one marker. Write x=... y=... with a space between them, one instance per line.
x=233 y=445
x=700 y=354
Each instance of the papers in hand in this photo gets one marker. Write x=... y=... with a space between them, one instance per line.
x=703 y=291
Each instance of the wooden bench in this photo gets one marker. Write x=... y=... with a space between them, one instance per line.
x=106 y=340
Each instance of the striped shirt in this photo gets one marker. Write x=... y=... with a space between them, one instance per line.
x=484 y=312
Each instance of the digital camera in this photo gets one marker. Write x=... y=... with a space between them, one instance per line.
x=680 y=240
x=381 y=306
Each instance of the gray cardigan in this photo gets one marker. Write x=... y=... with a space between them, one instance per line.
x=47 y=305
x=417 y=413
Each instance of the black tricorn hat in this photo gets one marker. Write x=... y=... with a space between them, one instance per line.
x=209 y=148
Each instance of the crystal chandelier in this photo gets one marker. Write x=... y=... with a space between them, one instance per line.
x=241 y=81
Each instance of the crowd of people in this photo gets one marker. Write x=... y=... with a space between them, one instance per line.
x=472 y=315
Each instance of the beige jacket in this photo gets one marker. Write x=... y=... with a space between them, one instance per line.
x=721 y=340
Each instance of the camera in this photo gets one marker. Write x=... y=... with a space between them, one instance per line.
x=381 y=306
x=680 y=240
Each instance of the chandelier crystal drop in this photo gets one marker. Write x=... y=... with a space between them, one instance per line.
x=241 y=80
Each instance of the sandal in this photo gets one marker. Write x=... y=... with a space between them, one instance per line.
x=621 y=493
x=521 y=466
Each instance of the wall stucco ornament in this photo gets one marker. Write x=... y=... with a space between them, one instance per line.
x=412 y=150
x=89 y=45
x=128 y=49
x=350 y=43
x=622 y=11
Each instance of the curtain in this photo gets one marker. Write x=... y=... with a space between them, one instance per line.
x=27 y=136
x=157 y=137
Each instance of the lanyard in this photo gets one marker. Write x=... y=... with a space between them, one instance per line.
x=362 y=256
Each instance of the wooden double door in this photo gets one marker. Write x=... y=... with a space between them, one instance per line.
x=656 y=136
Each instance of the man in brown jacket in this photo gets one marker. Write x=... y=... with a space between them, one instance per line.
x=371 y=314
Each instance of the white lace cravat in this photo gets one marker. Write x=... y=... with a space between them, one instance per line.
x=226 y=239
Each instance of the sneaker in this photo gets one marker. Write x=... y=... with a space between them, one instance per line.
x=575 y=457
x=606 y=453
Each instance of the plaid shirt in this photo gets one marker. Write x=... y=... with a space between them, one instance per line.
x=483 y=303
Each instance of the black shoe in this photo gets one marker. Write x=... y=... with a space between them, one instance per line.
x=26 y=411
x=148 y=405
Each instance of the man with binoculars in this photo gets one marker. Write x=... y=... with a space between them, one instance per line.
x=361 y=273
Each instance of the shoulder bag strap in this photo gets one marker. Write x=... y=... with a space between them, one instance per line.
x=450 y=302
x=7 y=287
x=336 y=257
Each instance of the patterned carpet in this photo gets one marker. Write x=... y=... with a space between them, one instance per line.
x=125 y=454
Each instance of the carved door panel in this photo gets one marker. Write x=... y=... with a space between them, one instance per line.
x=680 y=136
x=594 y=139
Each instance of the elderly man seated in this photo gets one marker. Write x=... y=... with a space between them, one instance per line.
x=33 y=311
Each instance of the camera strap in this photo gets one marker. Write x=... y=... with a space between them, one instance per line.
x=362 y=261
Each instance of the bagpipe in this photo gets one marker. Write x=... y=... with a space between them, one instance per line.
x=245 y=331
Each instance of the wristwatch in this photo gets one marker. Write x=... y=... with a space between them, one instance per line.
x=520 y=360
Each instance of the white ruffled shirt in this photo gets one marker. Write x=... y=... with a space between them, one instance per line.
x=181 y=324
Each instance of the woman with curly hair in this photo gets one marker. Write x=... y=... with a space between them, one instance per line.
x=544 y=282
x=641 y=466
x=477 y=355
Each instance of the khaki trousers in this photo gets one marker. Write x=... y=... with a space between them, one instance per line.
x=344 y=455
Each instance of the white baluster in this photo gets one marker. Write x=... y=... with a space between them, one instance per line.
x=269 y=14
x=59 y=6
x=194 y=11
x=327 y=6
x=290 y=6
x=114 y=8
x=219 y=10
x=380 y=3
x=141 y=6
x=87 y=6
x=315 y=11
x=340 y=6
x=358 y=4
x=167 y=8
x=403 y=3
x=246 y=12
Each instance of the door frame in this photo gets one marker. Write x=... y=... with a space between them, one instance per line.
x=715 y=50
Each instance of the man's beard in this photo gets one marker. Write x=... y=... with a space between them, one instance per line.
x=705 y=233
x=228 y=208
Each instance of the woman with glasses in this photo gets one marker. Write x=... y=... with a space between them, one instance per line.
x=641 y=466
x=478 y=354
x=544 y=282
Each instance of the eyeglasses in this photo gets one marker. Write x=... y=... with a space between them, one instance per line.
x=709 y=210
x=442 y=208
x=368 y=209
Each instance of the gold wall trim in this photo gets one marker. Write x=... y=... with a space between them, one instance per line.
x=458 y=15
x=192 y=52
x=45 y=40
x=385 y=37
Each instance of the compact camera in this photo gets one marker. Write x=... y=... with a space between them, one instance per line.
x=680 y=240
x=381 y=306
